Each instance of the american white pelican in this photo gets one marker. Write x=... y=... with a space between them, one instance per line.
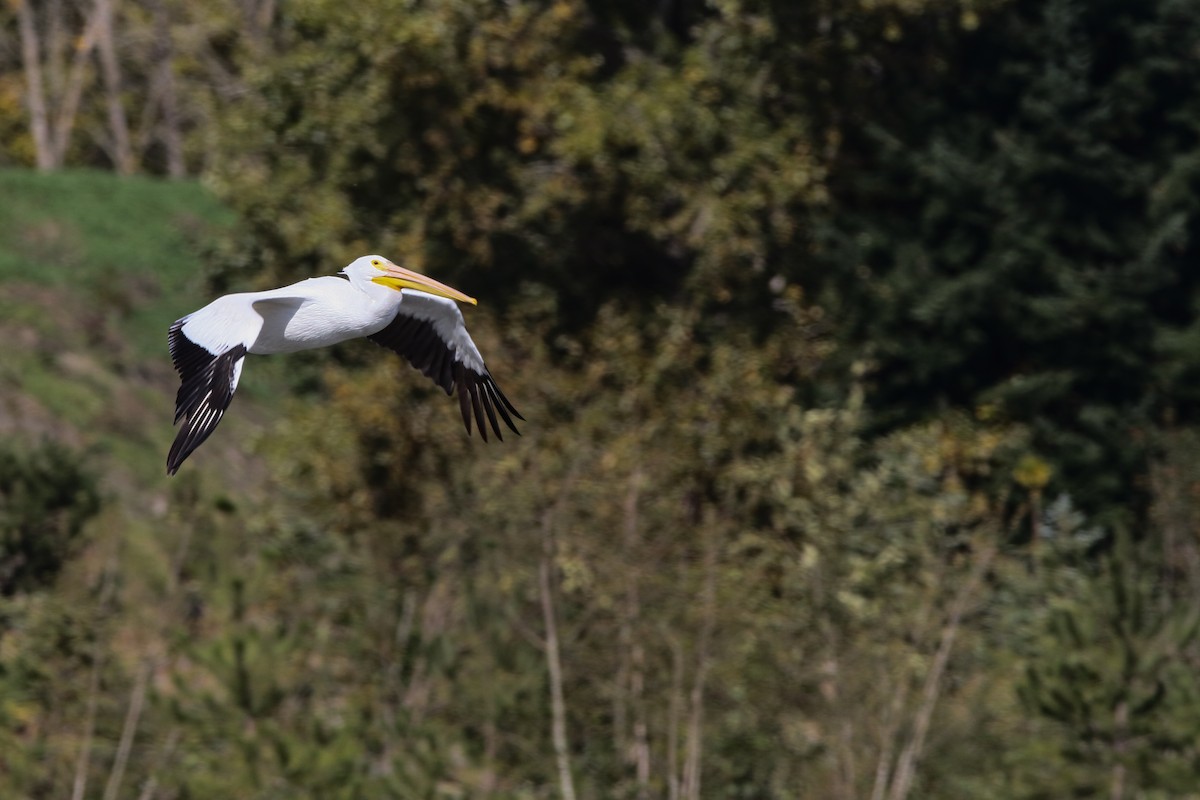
x=392 y=306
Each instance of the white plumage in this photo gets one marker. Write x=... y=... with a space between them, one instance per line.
x=397 y=308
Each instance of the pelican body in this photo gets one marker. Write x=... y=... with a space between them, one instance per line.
x=409 y=313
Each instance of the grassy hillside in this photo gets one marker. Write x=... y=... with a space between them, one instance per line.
x=93 y=268
x=131 y=244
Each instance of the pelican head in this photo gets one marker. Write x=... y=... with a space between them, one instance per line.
x=378 y=269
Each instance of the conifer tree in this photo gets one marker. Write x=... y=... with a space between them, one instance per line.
x=1016 y=229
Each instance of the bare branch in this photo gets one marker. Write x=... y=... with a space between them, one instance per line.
x=146 y=669
x=82 y=763
x=558 y=709
x=1121 y=748
x=695 y=732
x=133 y=715
x=907 y=763
x=674 y=712
x=634 y=657
x=151 y=785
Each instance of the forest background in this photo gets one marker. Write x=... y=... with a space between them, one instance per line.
x=858 y=340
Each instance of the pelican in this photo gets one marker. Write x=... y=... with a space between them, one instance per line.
x=404 y=311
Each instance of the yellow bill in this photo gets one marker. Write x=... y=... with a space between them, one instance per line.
x=400 y=278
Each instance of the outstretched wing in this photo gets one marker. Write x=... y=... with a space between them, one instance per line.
x=429 y=331
x=208 y=348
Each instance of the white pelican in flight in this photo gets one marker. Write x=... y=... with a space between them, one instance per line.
x=394 y=307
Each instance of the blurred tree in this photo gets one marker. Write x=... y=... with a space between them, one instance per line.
x=1013 y=228
x=166 y=66
x=53 y=90
x=686 y=579
x=748 y=596
x=50 y=647
x=1110 y=661
x=46 y=497
x=512 y=138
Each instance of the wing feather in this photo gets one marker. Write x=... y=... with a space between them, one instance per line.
x=207 y=349
x=497 y=398
x=485 y=399
x=464 y=404
x=437 y=365
x=473 y=390
x=429 y=331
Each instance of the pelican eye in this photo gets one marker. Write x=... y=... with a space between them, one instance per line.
x=375 y=262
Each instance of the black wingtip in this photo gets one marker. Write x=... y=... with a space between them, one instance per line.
x=175 y=458
x=204 y=395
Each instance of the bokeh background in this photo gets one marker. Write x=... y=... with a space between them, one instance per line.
x=858 y=342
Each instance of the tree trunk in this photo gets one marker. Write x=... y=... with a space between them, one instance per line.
x=35 y=89
x=110 y=68
x=558 y=707
x=171 y=136
x=641 y=730
x=54 y=60
x=633 y=657
x=695 y=733
x=891 y=733
x=674 y=712
x=68 y=104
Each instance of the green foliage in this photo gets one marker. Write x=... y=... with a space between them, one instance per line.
x=813 y=309
x=799 y=530
x=1041 y=258
x=130 y=247
x=171 y=218
x=509 y=140
x=1109 y=646
x=46 y=496
x=93 y=267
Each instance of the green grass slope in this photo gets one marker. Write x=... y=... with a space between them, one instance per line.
x=93 y=268
x=130 y=245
